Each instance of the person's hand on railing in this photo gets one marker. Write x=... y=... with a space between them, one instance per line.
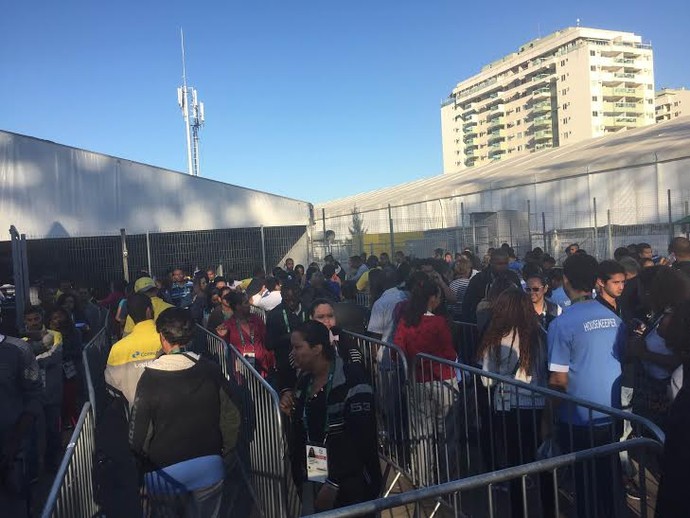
x=287 y=402
x=222 y=331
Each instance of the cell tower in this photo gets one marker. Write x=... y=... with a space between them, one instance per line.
x=193 y=115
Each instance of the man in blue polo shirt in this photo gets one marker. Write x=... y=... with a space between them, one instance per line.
x=583 y=362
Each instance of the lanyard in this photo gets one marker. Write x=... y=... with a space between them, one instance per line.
x=328 y=386
x=251 y=333
x=287 y=322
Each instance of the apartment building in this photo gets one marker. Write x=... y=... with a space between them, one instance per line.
x=575 y=84
x=672 y=103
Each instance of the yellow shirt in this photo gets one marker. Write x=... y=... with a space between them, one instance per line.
x=128 y=357
x=363 y=282
x=159 y=305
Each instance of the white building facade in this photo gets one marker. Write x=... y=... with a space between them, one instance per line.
x=570 y=86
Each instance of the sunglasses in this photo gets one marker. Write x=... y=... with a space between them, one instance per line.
x=534 y=290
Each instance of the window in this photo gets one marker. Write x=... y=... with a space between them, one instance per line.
x=595 y=114
x=592 y=53
x=519 y=148
x=563 y=77
x=593 y=68
x=594 y=98
x=518 y=109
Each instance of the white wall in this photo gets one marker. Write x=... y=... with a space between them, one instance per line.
x=51 y=190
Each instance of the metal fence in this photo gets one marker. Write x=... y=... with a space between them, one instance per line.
x=262 y=447
x=95 y=260
x=95 y=358
x=481 y=422
x=386 y=367
x=72 y=491
x=481 y=495
x=485 y=220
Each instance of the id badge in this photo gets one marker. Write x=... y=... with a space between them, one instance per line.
x=251 y=358
x=317 y=463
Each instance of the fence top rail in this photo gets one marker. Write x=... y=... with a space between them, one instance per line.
x=51 y=501
x=96 y=337
x=549 y=393
x=389 y=345
x=486 y=479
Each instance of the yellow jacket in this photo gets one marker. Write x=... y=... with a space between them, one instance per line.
x=129 y=356
x=159 y=305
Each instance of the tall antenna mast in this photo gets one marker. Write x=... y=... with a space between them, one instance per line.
x=193 y=115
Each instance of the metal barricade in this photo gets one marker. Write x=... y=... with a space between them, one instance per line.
x=95 y=358
x=262 y=448
x=363 y=299
x=255 y=310
x=466 y=337
x=72 y=491
x=386 y=366
x=480 y=422
x=482 y=495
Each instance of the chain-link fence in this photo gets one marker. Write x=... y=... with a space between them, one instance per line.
x=97 y=260
x=450 y=224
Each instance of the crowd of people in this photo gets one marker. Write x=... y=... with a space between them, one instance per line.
x=615 y=332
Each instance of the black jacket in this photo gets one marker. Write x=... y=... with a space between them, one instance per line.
x=278 y=341
x=350 y=436
x=478 y=288
x=182 y=410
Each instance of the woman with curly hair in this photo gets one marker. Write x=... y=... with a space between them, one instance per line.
x=513 y=346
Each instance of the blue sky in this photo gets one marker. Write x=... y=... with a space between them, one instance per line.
x=309 y=99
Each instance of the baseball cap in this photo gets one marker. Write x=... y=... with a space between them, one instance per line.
x=144 y=284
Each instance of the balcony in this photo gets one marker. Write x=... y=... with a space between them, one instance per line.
x=469 y=108
x=622 y=92
x=470 y=160
x=623 y=106
x=542 y=121
x=496 y=151
x=469 y=134
x=540 y=77
x=541 y=107
x=496 y=123
x=496 y=137
x=543 y=135
x=541 y=93
x=497 y=109
x=623 y=121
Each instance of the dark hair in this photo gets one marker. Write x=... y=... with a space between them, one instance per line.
x=642 y=246
x=271 y=283
x=356 y=259
x=419 y=301
x=234 y=299
x=372 y=261
x=137 y=304
x=669 y=287
x=608 y=269
x=328 y=270
x=219 y=278
x=349 y=290
x=290 y=287
x=67 y=328
x=679 y=246
x=555 y=274
x=315 y=333
x=531 y=270
x=316 y=303
x=377 y=282
x=31 y=310
x=198 y=276
x=581 y=271
x=62 y=298
x=512 y=310
x=176 y=325
x=299 y=267
x=501 y=253
x=620 y=252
